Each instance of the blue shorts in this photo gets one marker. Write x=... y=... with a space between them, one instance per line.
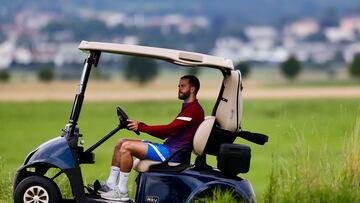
x=157 y=152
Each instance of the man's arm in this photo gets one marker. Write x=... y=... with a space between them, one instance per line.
x=161 y=131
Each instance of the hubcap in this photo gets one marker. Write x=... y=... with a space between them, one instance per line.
x=36 y=194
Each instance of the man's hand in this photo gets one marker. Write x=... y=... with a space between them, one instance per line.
x=133 y=125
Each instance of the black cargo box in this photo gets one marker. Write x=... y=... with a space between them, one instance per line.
x=234 y=159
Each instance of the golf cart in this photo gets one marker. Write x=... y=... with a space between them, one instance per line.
x=156 y=182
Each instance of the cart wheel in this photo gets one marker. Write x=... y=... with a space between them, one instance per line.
x=37 y=189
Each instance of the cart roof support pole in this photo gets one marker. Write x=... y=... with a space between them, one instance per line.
x=92 y=59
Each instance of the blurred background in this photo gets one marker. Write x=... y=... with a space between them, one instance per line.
x=300 y=61
x=273 y=41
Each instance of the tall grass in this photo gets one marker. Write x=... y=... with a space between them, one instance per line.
x=6 y=184
x=219 y=195
x=317 y=180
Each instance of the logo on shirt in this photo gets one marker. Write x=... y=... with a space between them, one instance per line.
x=184 y=118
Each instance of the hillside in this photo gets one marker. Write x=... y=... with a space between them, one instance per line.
x=247 y=11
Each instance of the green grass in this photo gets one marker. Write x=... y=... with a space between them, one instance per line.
x=318 y=124
x=6 y=180
x=312 y=180
x=218 y=195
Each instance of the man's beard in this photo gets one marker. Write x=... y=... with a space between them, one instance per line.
x=184 y=96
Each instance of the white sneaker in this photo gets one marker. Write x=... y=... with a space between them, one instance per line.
x=116 y=195
x=103 y=188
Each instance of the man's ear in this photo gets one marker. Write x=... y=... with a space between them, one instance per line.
x=192 y=89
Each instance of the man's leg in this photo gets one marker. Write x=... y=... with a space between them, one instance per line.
x=116 y=155
x=115 y=163
x=127 y=151
x=131 y=148
x=124 y=151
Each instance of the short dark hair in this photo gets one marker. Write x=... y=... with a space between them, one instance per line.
x=193 y=81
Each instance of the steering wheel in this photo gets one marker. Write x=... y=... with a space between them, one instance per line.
x=123 y=119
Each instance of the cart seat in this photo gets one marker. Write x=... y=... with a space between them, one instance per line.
x=143 y=165
x=199 y=142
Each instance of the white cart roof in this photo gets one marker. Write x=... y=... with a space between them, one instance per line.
x=183 y=58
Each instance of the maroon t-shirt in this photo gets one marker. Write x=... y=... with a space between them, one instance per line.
x=180 y=132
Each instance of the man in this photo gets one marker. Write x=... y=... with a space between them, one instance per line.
x=178 y=134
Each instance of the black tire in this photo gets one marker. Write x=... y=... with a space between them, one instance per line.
x=37 y=188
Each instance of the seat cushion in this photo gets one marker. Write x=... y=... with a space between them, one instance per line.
x=202 y=135
x=143 y=165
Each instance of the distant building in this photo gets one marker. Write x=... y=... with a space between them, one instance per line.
x=7 y=53
x=315 y=52
x=261 y=37
x=230 y=47
x=351 y=23
x=111 y=19
x=67 y=53
x=44 y=53
x=339 y=34
x=33 y=19
x=302 y=28
x=183 y=24
x=22 y=55
x=235 y=49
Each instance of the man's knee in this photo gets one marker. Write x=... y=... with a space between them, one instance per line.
x=133 y=148
x=126 y=147
x=119 y=143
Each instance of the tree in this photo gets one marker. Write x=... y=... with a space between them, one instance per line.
x=290 y=68
x=141 y=70
x=244 y=69
x=354 y=67
x=4 y=76
x=46 y=74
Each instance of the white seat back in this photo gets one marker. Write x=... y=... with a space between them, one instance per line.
x=202 y=135
x=229 y=109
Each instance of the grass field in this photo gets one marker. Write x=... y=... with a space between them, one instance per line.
x=319 y=125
